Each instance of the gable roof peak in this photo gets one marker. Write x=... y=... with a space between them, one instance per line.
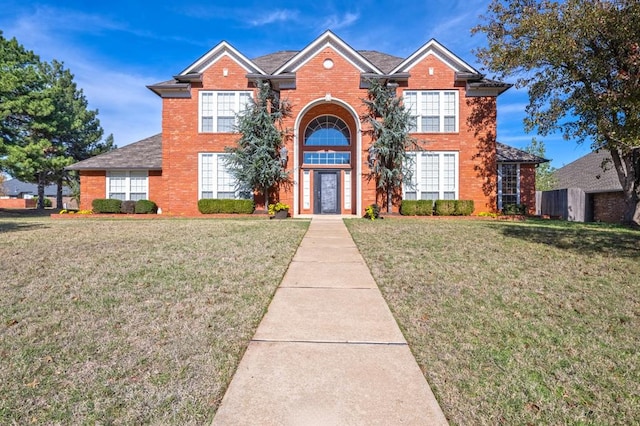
x=221 y=49
x=328 y=38
x=434 y=47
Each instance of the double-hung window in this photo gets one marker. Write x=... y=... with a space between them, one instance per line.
x=215 y=180
x=128 y=185
x=434 y=177
x=218 y=110
x=432 y=111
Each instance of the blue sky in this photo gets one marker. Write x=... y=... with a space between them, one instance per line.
x=116 y=48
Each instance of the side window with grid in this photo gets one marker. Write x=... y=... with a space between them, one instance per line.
x=215 y=180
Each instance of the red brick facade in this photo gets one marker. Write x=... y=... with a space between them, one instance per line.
x=608 y=207
x=321 y=90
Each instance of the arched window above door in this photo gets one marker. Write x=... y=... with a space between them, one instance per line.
x=327 y=130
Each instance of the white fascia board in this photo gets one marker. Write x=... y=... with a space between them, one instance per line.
x=327 y=39
x=220 y=50
x=432 y=47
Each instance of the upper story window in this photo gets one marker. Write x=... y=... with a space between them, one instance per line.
x=433 y=111
x=218 y=110
x=327 y=130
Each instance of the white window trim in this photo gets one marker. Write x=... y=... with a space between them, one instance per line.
x=238 y=107
x=216 y=155
x=441 y=107
x=500 y=184
x=128 y=182
x=418 y=169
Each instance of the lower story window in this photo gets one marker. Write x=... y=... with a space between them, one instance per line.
x=508 y=184
x=128 y=184
x=435 y=176
x=215 y=180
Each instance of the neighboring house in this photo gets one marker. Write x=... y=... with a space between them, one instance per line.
x=454 y=116
x=603 y=199
x=16 y=189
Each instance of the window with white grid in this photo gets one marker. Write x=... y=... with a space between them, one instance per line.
x=435 y=176
x=215 y=180
x=218 y=111
x=508 y=184
x=128 y=184
x=432 y=111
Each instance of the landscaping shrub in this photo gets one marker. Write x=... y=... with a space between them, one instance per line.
x=372 y=212
x=514 y=209
x=463 y=207
x=445 y=207
x=106 y=205
x=47 y=202
x=146 y=207
x=424 y=207
x=128 y=207
x=214 y=205
x=416 y=207
x=408 y=207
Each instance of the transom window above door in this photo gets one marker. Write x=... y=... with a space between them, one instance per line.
x=327 y=130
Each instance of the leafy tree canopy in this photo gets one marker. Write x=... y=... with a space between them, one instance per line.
x=580 y=60
x=545 y=178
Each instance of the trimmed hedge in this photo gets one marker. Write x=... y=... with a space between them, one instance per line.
x=438 y=207
x=106 y=205
x=128 y=207
x=416 y=207
x=445 y=207
x=146 y=207
x=214 y=205
x=463 y=207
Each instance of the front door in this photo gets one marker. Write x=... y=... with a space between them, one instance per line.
x=326 y=192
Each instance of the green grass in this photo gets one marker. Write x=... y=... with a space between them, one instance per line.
x=131 y=321
x=533 y=322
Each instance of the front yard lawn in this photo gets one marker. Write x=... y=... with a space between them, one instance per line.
x=131 y=321
x=533 y=322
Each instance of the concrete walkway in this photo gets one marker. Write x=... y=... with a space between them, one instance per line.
x=328 y=351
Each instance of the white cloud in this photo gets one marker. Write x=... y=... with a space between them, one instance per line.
x=275 y=16
x=336 y=22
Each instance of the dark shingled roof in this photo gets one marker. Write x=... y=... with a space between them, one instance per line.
x=587 y=174
x=270 y=63
x=509 y=154
x=145 y=154
x=381 y=60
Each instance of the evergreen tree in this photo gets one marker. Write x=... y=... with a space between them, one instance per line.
x=45 y=121
x=389 y=124
x=255 y=161
x=545 y=173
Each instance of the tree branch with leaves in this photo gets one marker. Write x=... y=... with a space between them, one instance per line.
x=580 y=60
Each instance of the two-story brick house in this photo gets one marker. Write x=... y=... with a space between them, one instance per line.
x=452 y=104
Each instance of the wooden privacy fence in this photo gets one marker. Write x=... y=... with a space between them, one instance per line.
x=568 y=204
